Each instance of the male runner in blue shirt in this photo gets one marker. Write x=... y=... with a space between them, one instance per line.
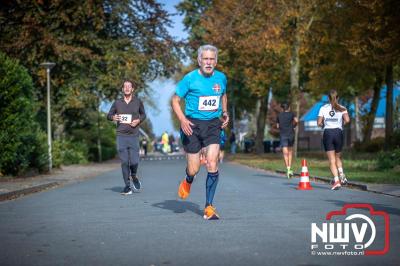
x=204 y=91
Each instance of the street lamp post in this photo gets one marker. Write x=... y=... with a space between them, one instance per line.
x=48 y=66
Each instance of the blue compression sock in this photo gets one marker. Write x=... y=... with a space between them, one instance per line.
x=211 y=185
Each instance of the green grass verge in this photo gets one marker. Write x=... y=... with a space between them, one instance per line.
x=363 y=169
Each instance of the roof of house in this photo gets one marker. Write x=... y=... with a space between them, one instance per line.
x=312 y=113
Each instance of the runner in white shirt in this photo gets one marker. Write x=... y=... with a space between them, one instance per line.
x=331 y=118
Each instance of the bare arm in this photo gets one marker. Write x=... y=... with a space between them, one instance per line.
x=320 y=121
x=225 y=115
x=295 y=121
x=185 y=123
x=346 y=118
x=177 y=108
x=224 y=103
x=277 y=122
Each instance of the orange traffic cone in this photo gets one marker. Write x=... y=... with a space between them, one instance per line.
x=304 y=183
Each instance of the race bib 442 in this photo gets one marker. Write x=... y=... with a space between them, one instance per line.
x=208 y=103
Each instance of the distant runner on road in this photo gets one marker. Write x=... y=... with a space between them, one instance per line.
x=331 y=118
x=128 y=112
x=286 y=122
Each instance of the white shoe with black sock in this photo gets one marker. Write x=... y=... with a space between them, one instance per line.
x=342 y=176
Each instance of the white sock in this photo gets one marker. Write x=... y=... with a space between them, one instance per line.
x=340 y=169
x=336 y=178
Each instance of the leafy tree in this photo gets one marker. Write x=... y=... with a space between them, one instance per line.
x=293 y=23
x=21 y=140
x=246 y=54
x=301 y=46
x=96 y=45
x=193 y=11
x=354 y=49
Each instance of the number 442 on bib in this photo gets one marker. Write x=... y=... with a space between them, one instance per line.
x=208 y=103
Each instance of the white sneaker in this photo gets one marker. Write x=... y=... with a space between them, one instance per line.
x=336 y=185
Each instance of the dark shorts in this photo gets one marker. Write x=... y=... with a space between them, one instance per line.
x=287 y=141
x=205 y=132
x=333 y=139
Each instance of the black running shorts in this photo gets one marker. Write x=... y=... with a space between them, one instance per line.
x=205 y=132
x=333 y=139
x=287 y=141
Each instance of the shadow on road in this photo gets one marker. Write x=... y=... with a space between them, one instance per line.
x=290 y=185
x=115 y=189
x=179 y=206
x=268 y=176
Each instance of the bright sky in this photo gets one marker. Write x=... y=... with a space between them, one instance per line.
x=164 y=89
x=161 y=120
x=178 y=29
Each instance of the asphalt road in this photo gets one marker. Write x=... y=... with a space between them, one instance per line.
x=265 y=221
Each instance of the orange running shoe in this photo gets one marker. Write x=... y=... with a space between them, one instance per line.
x=210 y=213
x=184 y=189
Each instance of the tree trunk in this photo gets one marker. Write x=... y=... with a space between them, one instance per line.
x=370 y=117
x=389 y=106
x=294 y=83
x=262 y=115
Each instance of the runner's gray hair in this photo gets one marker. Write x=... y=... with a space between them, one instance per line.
x=207 y=47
